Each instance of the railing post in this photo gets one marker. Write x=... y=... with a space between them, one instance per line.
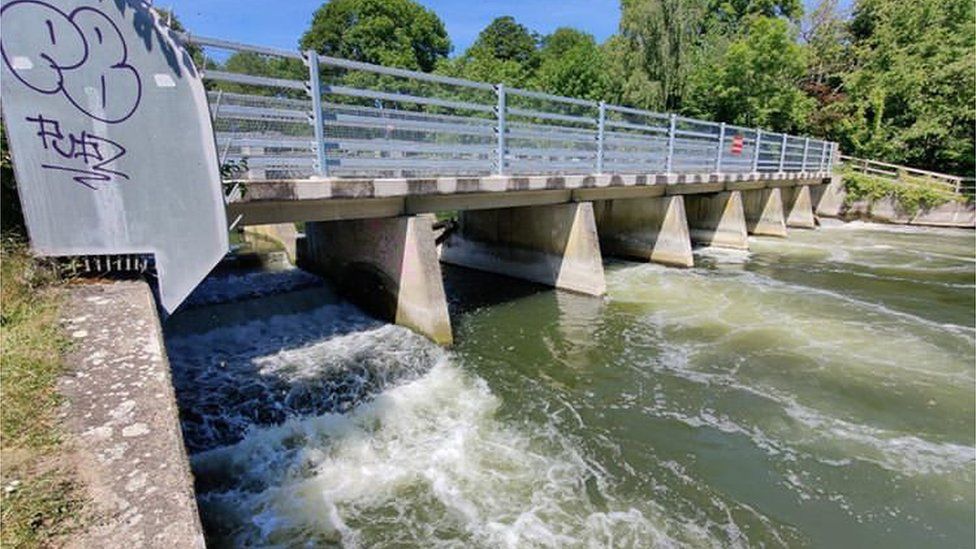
x=823 y=155
x=669 y=159
x=314 y=89
x=721 y=147
x=755 y=152
x=500 y=114
x=806 y=149
x=600 y=122
x=782 y=153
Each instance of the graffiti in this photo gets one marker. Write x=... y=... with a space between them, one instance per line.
x=81 y=55
x=94 y=152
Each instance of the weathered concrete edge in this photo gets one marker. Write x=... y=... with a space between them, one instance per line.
x=353 y=188
x=122 y=421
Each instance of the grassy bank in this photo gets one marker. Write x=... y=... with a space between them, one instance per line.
x=911 y=194
x=38 y=498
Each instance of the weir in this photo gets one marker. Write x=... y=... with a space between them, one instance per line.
x=541 y=185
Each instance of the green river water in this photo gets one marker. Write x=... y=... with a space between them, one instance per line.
x=816 y=391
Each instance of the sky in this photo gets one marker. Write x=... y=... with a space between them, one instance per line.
x=280 y=23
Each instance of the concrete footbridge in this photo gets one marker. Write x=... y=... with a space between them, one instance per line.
x=129 y=138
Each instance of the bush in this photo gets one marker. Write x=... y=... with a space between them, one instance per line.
x=911 y=194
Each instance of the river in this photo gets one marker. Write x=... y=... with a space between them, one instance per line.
x=815 y=391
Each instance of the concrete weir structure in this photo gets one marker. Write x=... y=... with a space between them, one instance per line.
x=375 y=238
x=556 y=245
x=388 y=266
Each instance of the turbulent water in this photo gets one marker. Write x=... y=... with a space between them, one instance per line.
x=815 y=391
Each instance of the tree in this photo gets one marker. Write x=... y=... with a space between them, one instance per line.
x=571 y=64
x=829 y=60
x=399 y=33
x=757 y=81
x=911 y=92
x=662 y=36
x=506 y=40
x=504 y=52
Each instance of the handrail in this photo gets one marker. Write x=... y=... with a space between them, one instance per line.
x=951 y=183
x=432 y=124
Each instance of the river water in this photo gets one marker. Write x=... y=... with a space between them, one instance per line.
x=815 y=391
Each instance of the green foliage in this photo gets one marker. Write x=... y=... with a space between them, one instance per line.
x=912 y=91
x=399 y=33
x=911 y=194
x=756 y=82
x=504 y=52
x=571 y=65
x=506 y=40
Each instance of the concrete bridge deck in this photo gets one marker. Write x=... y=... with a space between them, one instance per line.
x=330 y=199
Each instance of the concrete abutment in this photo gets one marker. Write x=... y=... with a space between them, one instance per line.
x=556 y=245
x=387 y=266
x=717 y=219
x=648 y=229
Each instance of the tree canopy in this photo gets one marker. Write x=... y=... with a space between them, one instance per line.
x=399 y=33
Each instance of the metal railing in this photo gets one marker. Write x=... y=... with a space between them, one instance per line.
x=909 y=176
x=287 y=114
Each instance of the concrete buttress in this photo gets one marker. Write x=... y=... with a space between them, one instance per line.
x=764 y=212
x=650 y=229
x=387 y=266
x=718 y=220
x=556 y=245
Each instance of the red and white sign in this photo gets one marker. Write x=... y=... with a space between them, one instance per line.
x=737 y=145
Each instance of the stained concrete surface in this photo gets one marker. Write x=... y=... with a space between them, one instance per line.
x=122 y=423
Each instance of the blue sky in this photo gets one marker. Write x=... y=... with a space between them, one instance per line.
x=280 y=23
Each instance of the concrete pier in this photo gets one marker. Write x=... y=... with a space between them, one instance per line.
x=388 y=266
x=764 y=212
x=798 y=207
x=556 y=245
x=648 y=229
x=717 y=219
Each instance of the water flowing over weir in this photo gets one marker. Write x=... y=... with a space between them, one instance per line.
x=813 y=391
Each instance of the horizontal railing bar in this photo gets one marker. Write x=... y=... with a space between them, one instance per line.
x=238 y=46
x=405 y=98
x=408 y=146
x=396 y=114
x=265 y=81
x=639 y=112
x=550 y=97
x=237 y=112
x=405 y=162
x=230 y=96
x=353 y=121
x=513 y=111
x=638 y=127
x=403 y=73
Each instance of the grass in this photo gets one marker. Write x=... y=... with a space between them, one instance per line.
x=39 y=500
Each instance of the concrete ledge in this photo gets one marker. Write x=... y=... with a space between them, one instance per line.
x=553 y=245
x=717 y=220
x=123 y=422
x=764 y=212
x=387 y=266
x=648 y=229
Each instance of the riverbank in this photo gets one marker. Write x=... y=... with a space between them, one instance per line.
x=40 y=500
x=92 y=451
